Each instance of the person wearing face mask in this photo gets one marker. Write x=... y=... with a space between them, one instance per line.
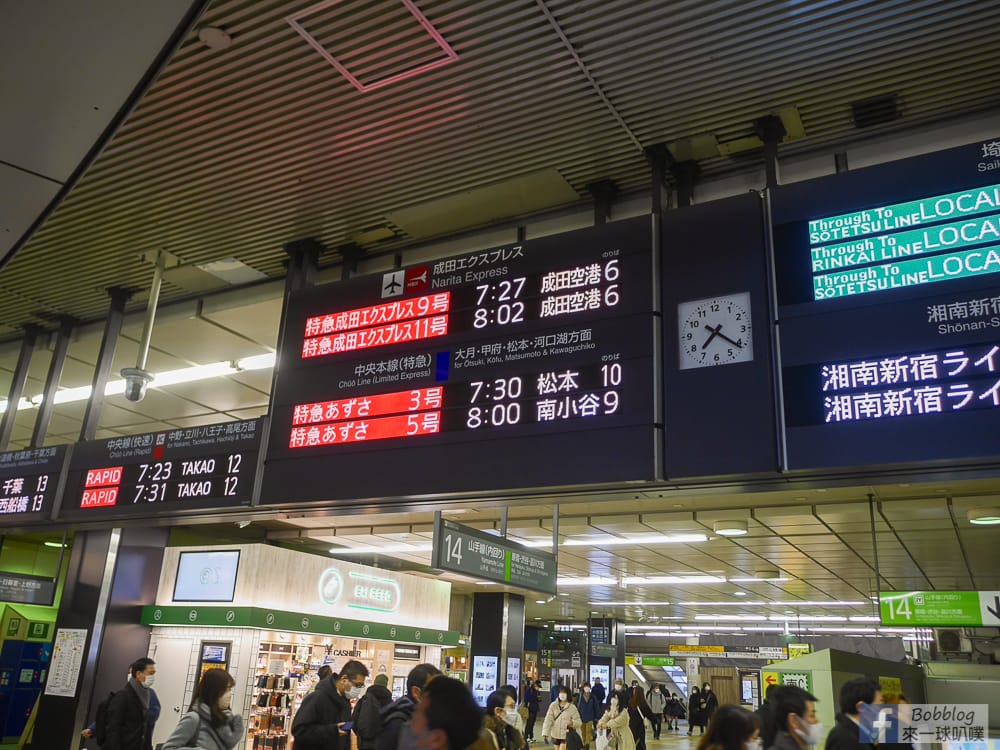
x=709 y=702
x=532 y=697
x=658 y=705
x=600 y=692
x=590 y=711
x=795 y=717
x=854 y=694
x=732 y=728
x=210 y=723
x=694 y=711
x=615 y=722
x=127 y=723
x=501 y=716
x=561 y=716
x=318 y=724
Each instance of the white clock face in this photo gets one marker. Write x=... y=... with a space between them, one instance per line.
x=715 y=331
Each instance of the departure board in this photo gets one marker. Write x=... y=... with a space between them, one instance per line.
x=529 y=365
x=196 y=468
x=29 y=482
x=888 y=284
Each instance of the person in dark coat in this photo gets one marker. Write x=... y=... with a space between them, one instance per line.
x=768 y=725
x=694 y=711
x=600 y=692
x=638 y=709
x=128 y=725
x=396 y=716
x=853 y=694
x=532 y=697
x=317 y=724
x=590 y=711
x=709 y=702
x=367 y=715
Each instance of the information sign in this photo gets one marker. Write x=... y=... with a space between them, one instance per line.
x=67 y=659
x=940 y=608
x=801 y=678
x=461 y=549
x=27 y=589
x=529 y=365
x=655 y=661
x=888 y=282
x=29 y=481
x=212 y=466
x=483 y=678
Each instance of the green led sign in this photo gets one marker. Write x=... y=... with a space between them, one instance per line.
x=906 y=244
x=901 y=215
x=908 y=273
x=944 y=237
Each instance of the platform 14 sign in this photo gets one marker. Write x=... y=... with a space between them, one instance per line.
x=940 y=608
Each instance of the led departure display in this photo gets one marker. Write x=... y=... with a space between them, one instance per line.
x=211 y=466
x=29 y=482
x=889 y=311
x=527 y=365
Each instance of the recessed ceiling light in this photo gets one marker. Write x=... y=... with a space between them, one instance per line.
x=739 y=593
x=539 y=601
x=984 y=516
x=730 y=528
x=57 y=545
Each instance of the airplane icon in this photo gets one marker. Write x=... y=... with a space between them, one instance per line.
x=422 y=278
x=392 y=284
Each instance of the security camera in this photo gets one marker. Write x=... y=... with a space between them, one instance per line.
x=136 y=381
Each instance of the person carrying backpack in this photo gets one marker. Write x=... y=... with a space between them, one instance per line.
x=367 y=715
x=210 y=724
x=123 y=719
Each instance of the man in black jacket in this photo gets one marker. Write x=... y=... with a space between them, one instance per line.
x=398 y=713
x=318 y=722
x=844 y=735
x=127 y=725
x=796 y=720
x=368 y=712
x=447 y=716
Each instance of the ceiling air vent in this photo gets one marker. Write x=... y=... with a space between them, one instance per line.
x=877 y=110
x=373 y=44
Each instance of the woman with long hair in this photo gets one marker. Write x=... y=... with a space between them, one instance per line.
x=210 y=724
x=638 y=712
x=732 y=728
x=615 y=722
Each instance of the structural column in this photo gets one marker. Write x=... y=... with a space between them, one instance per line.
x=111 y=575
x=497 y=633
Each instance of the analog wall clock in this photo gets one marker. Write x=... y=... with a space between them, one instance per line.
x=715 y=331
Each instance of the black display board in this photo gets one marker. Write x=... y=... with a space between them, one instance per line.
x=718 y=387
x=888 y=284
x=196 y=468
x=529 y=365
x=29 y=483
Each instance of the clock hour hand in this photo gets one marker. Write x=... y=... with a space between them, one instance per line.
x=715 y=332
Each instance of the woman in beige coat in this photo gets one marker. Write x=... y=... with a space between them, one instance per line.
x=615 y=720
x=562 y=715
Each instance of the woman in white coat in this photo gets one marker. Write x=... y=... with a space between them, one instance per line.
x=615 y=721
x=561 y=716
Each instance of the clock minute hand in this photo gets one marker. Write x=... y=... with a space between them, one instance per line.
x=724 y=336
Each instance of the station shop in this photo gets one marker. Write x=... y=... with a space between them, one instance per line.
x=272 y=617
